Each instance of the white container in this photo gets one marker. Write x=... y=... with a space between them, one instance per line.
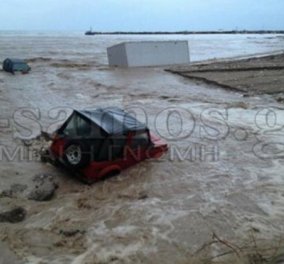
x=149 y=53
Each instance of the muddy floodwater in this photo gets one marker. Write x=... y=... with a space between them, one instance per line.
x=217 y=193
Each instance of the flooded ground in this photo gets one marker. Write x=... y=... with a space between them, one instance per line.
x=222 y=178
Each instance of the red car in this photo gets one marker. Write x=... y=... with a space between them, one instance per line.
x=103 y=142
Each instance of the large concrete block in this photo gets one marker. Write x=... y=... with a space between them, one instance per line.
x=149 y=53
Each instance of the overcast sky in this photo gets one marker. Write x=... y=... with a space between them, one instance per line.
x=137 y=15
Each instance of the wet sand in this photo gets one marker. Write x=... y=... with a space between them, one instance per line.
x=164 y=211
x=262 y=75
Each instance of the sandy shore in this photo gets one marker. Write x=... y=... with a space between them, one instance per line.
x=262 y=75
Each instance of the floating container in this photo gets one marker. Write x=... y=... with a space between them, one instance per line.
x=149 y=53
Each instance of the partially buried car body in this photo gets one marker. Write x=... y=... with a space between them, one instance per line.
x=103 y=142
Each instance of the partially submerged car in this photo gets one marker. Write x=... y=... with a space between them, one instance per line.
x=103 y=142
x=13 y=65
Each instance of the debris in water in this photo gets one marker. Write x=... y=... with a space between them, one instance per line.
x=44 y=189
x=14 y=216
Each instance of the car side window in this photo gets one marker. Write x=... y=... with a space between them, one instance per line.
x=112 y=148
x=118 y=144
x=140 y=140
x=105 y=150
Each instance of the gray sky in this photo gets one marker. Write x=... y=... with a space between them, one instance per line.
x=137 y=15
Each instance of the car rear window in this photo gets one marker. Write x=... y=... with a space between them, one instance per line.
x=78 y=126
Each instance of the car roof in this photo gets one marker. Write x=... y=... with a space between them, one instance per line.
x=16 y=61
x=114 y=121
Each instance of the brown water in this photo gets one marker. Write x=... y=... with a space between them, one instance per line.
x=223 y=187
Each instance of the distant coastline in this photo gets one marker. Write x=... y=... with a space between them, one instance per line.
x=185 y=32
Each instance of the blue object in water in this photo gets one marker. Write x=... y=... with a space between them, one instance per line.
x=13 y=65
